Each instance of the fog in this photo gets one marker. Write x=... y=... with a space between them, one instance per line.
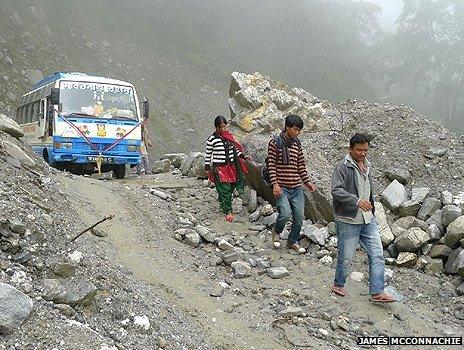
x=391 y=9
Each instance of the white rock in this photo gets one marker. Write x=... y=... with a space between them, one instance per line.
x=142 y=322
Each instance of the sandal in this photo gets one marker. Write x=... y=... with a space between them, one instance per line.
x=230 y=217
x=275 y=239
x=382 y=298
x=339 y=291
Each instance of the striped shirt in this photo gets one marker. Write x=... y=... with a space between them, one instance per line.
x=287 y=175
x=216 y=152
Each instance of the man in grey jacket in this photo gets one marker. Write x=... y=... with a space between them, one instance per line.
x=353 y=203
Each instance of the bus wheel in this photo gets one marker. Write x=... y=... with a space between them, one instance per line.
x=119 y=171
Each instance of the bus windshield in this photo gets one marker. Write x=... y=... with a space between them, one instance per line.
x=97 y=100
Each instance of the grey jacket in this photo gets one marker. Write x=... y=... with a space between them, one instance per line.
x=345 y=190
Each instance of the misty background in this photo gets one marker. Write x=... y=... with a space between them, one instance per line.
x=180 y=53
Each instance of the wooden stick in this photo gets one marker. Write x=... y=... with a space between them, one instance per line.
x=109 y=217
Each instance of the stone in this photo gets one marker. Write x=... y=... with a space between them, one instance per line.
x=386 y=234
x=161 y=166
x=15 y=308
x=357 y=276
x=454 y=233
x=434 y=266
x=217 y=290
x=17 y=154
x=440 y=251
x=160 y=194
x=291 y=311
x=460 y=289
x=409 y=208
x=406 y=259
x=411 y=240
x=333 y=229
x=428 y=208
x=422 y=261
x=176 y=159
x=241 y=269
x=237 y=205
x=17 y=226
x=281 y=99
x=401 y=225
x=419 y=194
x=9 y=126
x=188 y=163
x=426 y=248
x=449 y=214
x=75 y=291
x=402 y=175
x=389 y=274
x=326 y=260
x=206 y=233
x=238 y=81
x=252 y=201
x=270 y=220
x=394 y=195
x=434 y=152
x=277 y=272
x=267 y=210
x=446 y=198
x=451 y=266
x=255 y=216
x=64 y=269
x=224 y=245
x=192 y=239
x=230 y=256
x=434 y=232
x=317 y=235
x=435 y=219
x=248 y=98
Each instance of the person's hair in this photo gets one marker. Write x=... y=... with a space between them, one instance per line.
x=219 y=120
x=360 y=138
x=292 y=120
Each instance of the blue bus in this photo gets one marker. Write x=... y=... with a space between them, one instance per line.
x=80 y=122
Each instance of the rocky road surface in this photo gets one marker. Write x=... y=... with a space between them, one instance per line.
x=255 y=312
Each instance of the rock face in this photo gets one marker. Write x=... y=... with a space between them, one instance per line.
x=15 y=308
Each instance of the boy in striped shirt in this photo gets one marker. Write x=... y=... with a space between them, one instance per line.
x=287 y=172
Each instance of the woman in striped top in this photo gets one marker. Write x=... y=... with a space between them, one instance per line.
x=224 y=164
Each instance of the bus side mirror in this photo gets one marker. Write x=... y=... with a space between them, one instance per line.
x=55 y=96
x=145 y=108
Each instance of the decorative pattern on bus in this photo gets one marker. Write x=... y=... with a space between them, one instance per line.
x=109 y=131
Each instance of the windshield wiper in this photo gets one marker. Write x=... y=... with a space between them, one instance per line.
x=122 y=117
x=83 y=115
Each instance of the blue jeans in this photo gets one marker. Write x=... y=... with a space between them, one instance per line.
x=290 y=203
x=367 y=235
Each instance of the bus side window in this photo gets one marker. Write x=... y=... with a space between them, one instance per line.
x=35 y=111
x=23 y=114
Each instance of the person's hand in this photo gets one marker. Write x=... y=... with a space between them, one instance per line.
x=210 y=176
x=311 y=187
x=276 y=190
x=365 y=205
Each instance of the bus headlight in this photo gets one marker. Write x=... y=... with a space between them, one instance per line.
x=63 y=145
x=132 y=148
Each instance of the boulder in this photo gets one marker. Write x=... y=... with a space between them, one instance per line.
x=454 y=258
x=238 y=81
x=411 y=240
x=15 y=308
x=406 y=259
x=248 y=98
x=198 y=168
x=435 y=219
x=440 y=251
x=434 y=266
x=206 y=233
x=303 y=95
x=394 y=195
x=403 y=224
x=434 y=232
x=9 y=126
x=161 y=166
x=277 y=272
x=316 y=235
x=409 y=208
x=454 y=232
x=402 y=175
x=192 y=239
x=446 y=198
x=17 y=153
x=428 y=208
x=188 y=163
x=449 y=214
x=241 y=269
x=70 y=291
x=419 y=194
x=386 y=234
x=281 y=99
x=176 y=159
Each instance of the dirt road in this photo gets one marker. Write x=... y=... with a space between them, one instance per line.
x=141 y=238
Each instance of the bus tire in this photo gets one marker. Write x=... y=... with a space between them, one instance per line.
x=119 y=171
